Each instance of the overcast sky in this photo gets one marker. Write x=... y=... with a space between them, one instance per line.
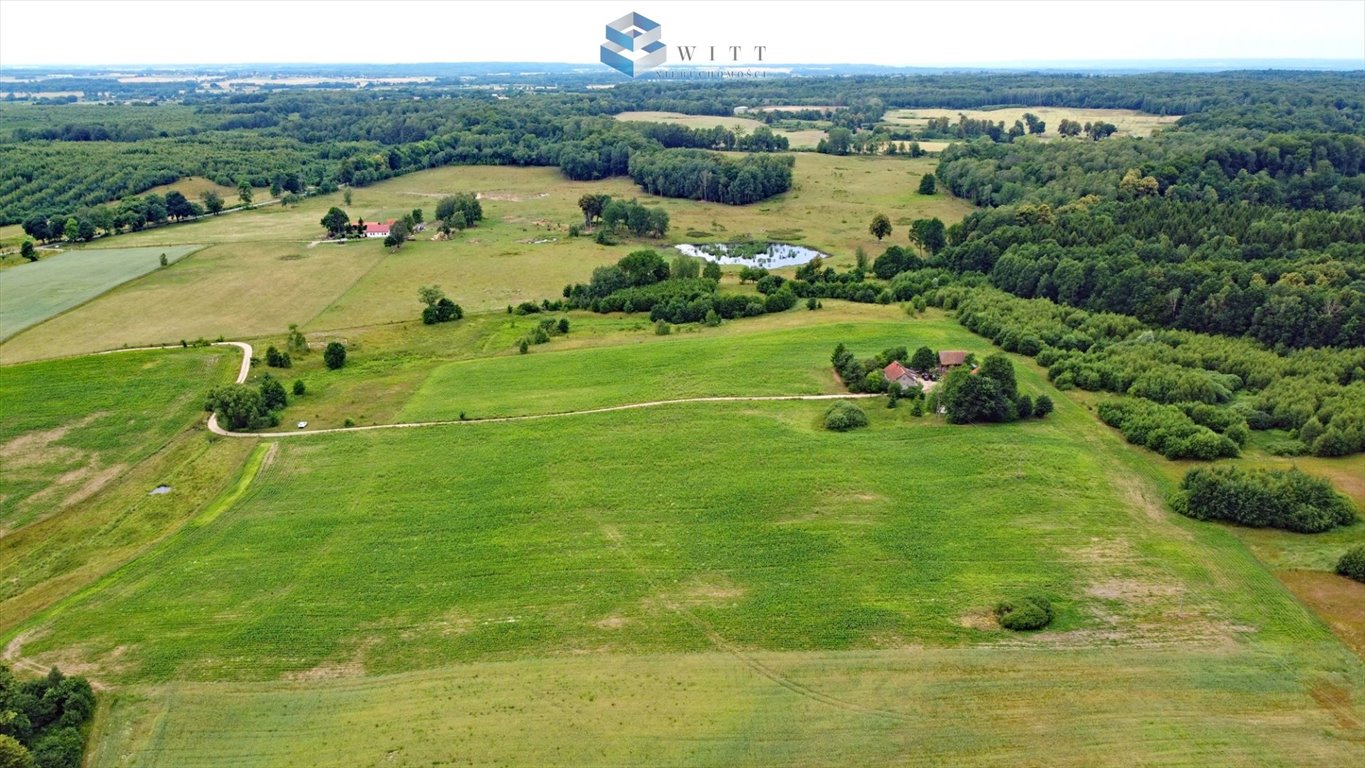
x=926 y=34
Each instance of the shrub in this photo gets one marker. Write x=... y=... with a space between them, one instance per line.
x=843 y=416
x=662 y=328
x=1041 y=407
x=1025 y=613
x=300 y=388
x=277 y=359
x=1260 y=498
x=334 y=355
x=1165 y=429
x=1352 y=564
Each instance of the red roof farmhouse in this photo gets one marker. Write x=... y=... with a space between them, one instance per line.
x=899 y=374
x=375 y=229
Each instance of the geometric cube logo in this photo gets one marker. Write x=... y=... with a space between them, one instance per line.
x=633 y=46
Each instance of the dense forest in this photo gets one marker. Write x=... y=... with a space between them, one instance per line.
x=58 y=158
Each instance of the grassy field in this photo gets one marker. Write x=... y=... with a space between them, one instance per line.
x=972 y=707
x=1130 y=122
x=740 y=359
x=411 y=371
x=798 y=139
x=35 y=292
x=82 y=442
x=278 y=276
x=195 y=186
x=777 y=595
x=772 y=594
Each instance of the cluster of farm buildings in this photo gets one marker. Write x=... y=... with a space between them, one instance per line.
x=948 y=359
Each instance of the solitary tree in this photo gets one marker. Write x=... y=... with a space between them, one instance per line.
x=592 y=206
x=298 y=343
x=275 y=188
x=346 y=196
x=927 y=184
x=880 y=227
x=244 y=191
x=430 y=294
x=924 y=360
x=334 y=355
x=1042 y=406
x=177 y=205
x=213 y=202
x=28 y=251
x=336 y=221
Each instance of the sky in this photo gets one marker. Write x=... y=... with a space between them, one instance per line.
x=917 y=34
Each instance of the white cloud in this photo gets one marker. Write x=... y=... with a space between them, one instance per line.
x=895 y=33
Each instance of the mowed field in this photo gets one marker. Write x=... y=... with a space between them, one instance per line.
x=1130 y=122
x=701 y=584
x=799 y=139
x=261 y=270
x=32 y=293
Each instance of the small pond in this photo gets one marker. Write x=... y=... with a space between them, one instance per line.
x=766 y=255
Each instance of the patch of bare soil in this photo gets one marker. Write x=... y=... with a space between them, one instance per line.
x=329 y=670
x=77 y=485
x=1337 y=702
x=510 y=197
x=705 y=590
x=36 y=448
x=611 y=622
x=980 y=619
x=1338 y=600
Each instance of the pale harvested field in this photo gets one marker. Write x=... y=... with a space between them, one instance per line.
x=799 y=139
x=1129 y=122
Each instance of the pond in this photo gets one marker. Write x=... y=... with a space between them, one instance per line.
x=766 y=255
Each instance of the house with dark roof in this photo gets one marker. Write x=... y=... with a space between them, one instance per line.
x=949 y=359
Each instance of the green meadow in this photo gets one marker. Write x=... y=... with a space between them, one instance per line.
x=716 y=570
x=35 y=292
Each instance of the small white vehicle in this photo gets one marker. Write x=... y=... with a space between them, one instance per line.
x=302 y=424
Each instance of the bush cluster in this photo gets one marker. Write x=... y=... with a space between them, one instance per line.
x=843 y=416
x=1352 y=564
x=1165 y=429
x=1262 y=498
x=547 y=328
x=277 y=359
x=42 y=721
x=1024 y=613
x=241 y=406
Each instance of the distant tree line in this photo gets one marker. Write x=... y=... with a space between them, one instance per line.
x=58 y=159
